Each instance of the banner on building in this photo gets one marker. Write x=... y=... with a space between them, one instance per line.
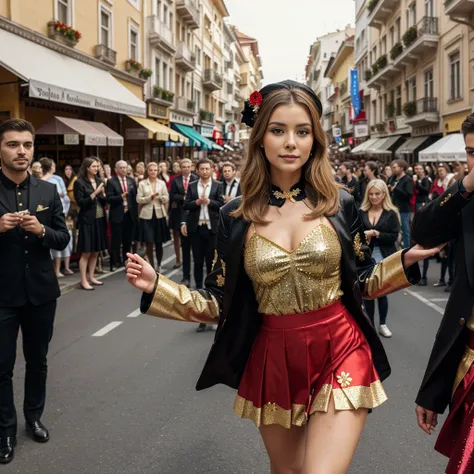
x=355 y=94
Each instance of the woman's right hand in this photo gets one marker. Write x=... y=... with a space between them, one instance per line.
x=140 y=273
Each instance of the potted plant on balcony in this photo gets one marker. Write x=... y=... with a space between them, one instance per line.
x=191 y=105
x=375 y=69
x=410 y=36
x=382 y=61
x=396 y=51
x=167 y=95
x=390 y=110
x=409 y=109
x=368 y=75
x=380 y=126
x=63 y=33
x=145 y=73
x=132 y=66
x=371 y=5
x=343 y=88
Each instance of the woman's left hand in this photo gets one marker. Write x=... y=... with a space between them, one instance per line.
x=418 y=253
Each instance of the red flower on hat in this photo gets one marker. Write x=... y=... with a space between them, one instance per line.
x=256 y=99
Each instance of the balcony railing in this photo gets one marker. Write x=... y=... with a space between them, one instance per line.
x=185 y=59
x=380 y=11
x=206 y=116
x=186 y=105
x=106 y=54
x=189 y=12
x=212 y=80
x=460 y=10
x=421 y=112
x=160 y=35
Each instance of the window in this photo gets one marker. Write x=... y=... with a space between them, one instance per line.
x=429 y=8
x=429 y=83
x=392 y=36
x=197 y=98
x=374 y=111
x=158 y=9
x=135 y=3
x=64 y=10
x=384 y=45
x=134 y=36
x=398 y=104
x=411 y=15
x=197 y=50
x=105 y=26
x=455 y=76
x=171 y=78
x=398 y=24
x=165 y=15
x=157 y=72
x=392 y=97
x=411 y=90
x=165 y=76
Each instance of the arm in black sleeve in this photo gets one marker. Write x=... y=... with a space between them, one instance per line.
x=218 y=202
x=404 y=190
x=112 y=197
x=82 y=195
x=56 y=235
x=190 y=202
x=391 y=229
x=175 y=196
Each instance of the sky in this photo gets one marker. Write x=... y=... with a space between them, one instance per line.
x=285 y=30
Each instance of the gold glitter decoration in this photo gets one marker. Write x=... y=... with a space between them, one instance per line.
x=463 y=368
x=174 y=301
x=214 y=261
x=270 y=413
x=220 y=281
x=223 y=266
x=358 y=247
x=344 y=380
x=386 y=277
x=307 y=278
x=289 y=195
x=445 y=200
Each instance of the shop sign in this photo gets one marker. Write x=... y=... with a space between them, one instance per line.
x=336 y=132
x=95 y=140
x=173 y=144
x=115 y=141
x=65 y=96
x=401 y=122
x=207 y=131
x=157 y=111
x=181 y=119
x=136 y=134
x=71 y=139
x=361 y=130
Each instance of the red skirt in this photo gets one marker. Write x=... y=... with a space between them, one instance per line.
x=456 y=438
x=299 y=360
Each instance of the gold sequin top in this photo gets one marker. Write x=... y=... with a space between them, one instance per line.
x=307 y=278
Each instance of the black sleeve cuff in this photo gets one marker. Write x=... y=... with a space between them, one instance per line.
x=147 y=298
x=464 y=193
x=412 y=273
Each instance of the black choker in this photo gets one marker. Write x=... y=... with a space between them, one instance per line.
x=278 y=197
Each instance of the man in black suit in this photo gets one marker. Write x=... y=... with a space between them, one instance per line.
x=449 y=377
x=31 y=224
x=204 y=199
x=350 y=181
x=231 y=183
x=123 y=213
x=179 y=186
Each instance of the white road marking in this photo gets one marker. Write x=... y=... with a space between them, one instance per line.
x=108 y=328
x=168 y=260
x=438 y=300
x=426 y=301
x=134 y=314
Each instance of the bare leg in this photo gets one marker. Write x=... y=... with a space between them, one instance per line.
x=285 y=448
x=83 y=269
x=57 y=267
x=332 y=439
x=177 y=245
x=92 y=265
x=67 y=269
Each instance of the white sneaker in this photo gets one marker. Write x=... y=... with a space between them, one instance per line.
x=385 y=331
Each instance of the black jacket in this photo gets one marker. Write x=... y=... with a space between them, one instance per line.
x=449 y=217
x=87 y=206
x=389 y=228
x=114 y=198
x=240 y=321
x=177 y=195
x=354 y=188
x=193 y=210
x=402 y=193
x=25 y=258
x=423 y=188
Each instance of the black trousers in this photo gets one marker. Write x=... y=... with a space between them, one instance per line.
x=203 y=243
x=186 y=254
x=383 y=309
x=122 y=235
x=36 y=323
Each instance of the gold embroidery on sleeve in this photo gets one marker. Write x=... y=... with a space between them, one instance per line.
x=214 y=261
x=445 y=200
x=221 y=278
x=358 y=247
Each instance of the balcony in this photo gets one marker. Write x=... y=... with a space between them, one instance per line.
x=422 y=112
x=183 y=104
x=160 y=35
x=419 y=41
x=382 y=72
x=212 y=81
x=188 y=11
x=206 y=116
x=460 y=9
x=344 y=91
x=380 y=11
x=185 y=59
x=105 y=54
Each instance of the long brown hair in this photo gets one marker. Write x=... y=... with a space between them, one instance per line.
x=321 y=188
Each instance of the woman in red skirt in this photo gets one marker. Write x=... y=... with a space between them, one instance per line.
x=290 y=268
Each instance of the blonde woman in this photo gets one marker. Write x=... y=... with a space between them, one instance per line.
x=152 y=227
x=381 y=222
x=290 y=269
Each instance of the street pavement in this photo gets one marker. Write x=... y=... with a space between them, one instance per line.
x=121 y=395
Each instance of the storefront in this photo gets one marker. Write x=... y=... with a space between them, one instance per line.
x=180 y=121
x=452 y=123
x=448 y=149
x=196 y=139
x=409 y=151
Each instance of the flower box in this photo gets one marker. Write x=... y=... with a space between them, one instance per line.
x=410 y=36
x=409 y=109
x=133 y=67
x=145 y=73
x=396 y=51
x=63 y=33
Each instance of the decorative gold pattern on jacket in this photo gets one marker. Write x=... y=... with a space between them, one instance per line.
x=445 y=200
x=214 y=261
x=463 y=368
x=289 y=195
x=307 y=278
x=386 y=277
x=221 y=278
x=174 y=301
x=357 y=247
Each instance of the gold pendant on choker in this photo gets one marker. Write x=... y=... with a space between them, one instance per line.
x=289 y=195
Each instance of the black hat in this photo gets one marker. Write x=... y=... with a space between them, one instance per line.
x=249 y=112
